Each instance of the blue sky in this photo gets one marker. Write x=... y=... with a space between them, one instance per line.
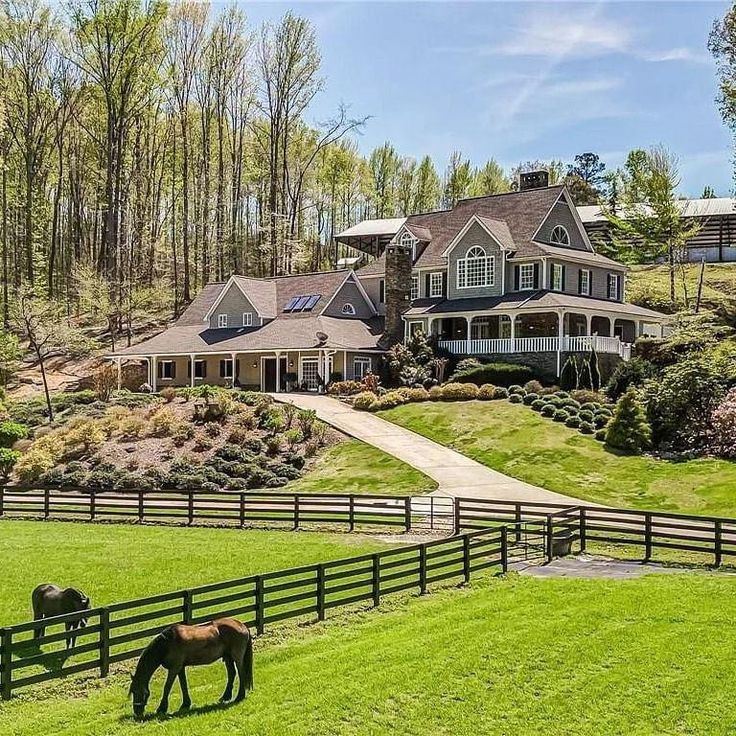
x=523 y=80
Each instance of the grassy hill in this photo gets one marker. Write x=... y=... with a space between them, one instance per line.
x=649 y=286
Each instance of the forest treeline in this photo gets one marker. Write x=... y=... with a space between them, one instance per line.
x=148 y=148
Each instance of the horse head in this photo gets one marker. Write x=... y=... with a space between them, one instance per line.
x=140 y=693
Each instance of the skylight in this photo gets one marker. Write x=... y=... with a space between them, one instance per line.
x=302 y=303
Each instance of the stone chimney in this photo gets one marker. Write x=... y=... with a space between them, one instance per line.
x=397 y=290
x=533 y=180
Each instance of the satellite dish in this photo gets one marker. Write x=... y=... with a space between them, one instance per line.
x=322 y=337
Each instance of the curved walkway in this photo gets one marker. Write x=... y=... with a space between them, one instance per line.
x=456 y=474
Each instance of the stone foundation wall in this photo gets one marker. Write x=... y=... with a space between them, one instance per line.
x=545 y=363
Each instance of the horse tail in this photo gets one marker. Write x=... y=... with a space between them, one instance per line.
x=36 y=602
x=248 y=662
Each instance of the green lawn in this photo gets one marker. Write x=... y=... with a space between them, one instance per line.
x=504 y=656
x=354 y=467
x=118 y=562
x=517 y=441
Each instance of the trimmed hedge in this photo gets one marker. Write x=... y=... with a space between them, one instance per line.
x=499 y=374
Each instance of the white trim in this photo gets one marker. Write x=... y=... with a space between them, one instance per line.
x=162 y=363
x=552 y=287
x=222 y=317
x=361 y=359
x=473 y=219
x=348 y=309
x=221 y=296
x=278 y=357
x=249 y=321
x=432 y=295
x=214 y=354
x=521 y=277
x=590 y=279
x=609 y=276
x=490 y=266
x=567 y=236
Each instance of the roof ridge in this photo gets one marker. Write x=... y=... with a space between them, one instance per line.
x=506 y=194
x=307 y=273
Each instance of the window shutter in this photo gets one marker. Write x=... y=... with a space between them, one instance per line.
x=160 y=369
x=426 y=285
x=516 y=278
x=536 y=275
x=222 y=369
x=173 y=369
x=189 y=369
x=619 y=287
x=382 y=291
x=444 y=283
x=237 y=367
x=564 y=278
x=580 y=281
x=204 y=369
x=590 y=282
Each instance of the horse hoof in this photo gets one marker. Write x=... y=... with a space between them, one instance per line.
x=185 y=706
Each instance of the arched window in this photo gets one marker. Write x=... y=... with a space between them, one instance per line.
x=559 y=236
x=476 y=269
x=348 y=308
x=409 y=241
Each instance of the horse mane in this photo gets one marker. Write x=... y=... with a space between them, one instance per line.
x=83 y=599
x=151 y=656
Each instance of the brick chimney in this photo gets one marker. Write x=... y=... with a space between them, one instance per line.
x=398 y=290
x=533 y=180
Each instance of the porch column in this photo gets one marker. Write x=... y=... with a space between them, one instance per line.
x=120 y=381
x=468 y=321
x=560 y=338
x=638 y=324
x=278 y=371
x=154 y=373
x=588 y=320
x=191 y=370
x=512 y=317
x=345 y=367
x=232 y=373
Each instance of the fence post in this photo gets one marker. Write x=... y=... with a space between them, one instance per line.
x=190 y=508
x=46 y=502
x=260 y=605
x=718 y=543
x=504 y=549
x=92 y=505
x=321 y=592
x=351 y=513
x=242 y=509
x=376 y=579
x=457 y=515
x=407 y=514
x=422 y=569
x=517 y=518
x=2 y=500
x=104 y=642
x=296 y=511
x=549 y=536
x=140 y=506
x=647 y=537
x=583 y=530
x=187 y=614
x=466 y=558
x=6 y=658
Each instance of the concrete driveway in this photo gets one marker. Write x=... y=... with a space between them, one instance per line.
x=456 y=475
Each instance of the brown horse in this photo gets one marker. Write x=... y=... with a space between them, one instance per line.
x=179 y=646
x=50 y=600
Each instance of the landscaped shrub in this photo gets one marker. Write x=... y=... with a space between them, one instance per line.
x=515 y=398
x=311 y=448
x=533 y=387
x=416 y=394
x=132 y=427
x=634 y=372
x=319 y=433
x=586 y=416
x=487 y=392
x=82 y=436
x=295 y=459
x=548 y=410
x=104 y=381
x=538 y=404
x=345 y=388
x=254 y=445
x=11 y=432
x=202 y=442
x=629 y=429
x=435 y=393
x=570 y=404
x=501 y=392
x=364 y=400
x=33 y=464
x=236 y=484
x=600 y=420
x=182 y=433
x=516 y=389
x=168 y=394
x=499 y=374
x=212 y=429
x=548 y=390
x=163 y=422
x=273 y=444
x=8 y=458
x=293 y=437
x=459 y=392
x=723 y=432
x=562 y=394
x=587 y=428
x=590 y=406
x=586 y=396
x=604 y=411
x=600 y=435
x=573 y=421
x=305 y=419
x=560 y=415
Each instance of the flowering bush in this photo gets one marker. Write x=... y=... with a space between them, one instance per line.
x=364 y=400
x=723 y=431
x=345 y=388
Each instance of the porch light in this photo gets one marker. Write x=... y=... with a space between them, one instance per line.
x=254 y=365
x=291 y=364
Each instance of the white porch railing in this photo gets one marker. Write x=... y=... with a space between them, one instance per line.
x=566 y=344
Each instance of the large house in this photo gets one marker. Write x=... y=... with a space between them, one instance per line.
x=512 y=277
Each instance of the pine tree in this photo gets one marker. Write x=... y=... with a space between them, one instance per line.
x=629 y=428
x=569 y=375
x=595 y=371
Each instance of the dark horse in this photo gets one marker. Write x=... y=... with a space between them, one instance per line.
x=179 y=646
x=51 y=600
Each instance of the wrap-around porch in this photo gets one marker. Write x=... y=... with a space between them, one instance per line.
x=474 y=334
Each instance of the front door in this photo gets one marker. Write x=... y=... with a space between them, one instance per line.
x=269 y=374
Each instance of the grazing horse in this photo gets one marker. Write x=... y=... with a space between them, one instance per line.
x=179 y=646
x=50 y=600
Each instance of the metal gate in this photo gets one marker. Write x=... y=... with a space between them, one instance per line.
x=433 y=513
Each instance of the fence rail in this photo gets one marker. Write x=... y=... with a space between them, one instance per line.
x=119 y=632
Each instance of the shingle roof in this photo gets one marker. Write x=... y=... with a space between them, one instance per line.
x=536 y=300
x=195 y=312
x=300 y=334
x=261 y=293
x=324 y=283
x=574 y=254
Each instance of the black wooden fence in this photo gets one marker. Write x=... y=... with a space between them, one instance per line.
x=120 y=631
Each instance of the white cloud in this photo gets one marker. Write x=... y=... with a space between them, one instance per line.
x=681 y=53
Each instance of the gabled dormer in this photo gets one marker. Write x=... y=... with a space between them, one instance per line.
x=242 y=303
x=562 y=226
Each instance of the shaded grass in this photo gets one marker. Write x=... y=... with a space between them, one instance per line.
x=117 y=562
x=515 y=440
x=355 y=467
x=504 y=656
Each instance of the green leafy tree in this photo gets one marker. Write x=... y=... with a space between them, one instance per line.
x=10 y=355
x=491 y=179
x=458 y=178
x=629 y=429
x=586 y=178
x=426 y=187
x=384 y=168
